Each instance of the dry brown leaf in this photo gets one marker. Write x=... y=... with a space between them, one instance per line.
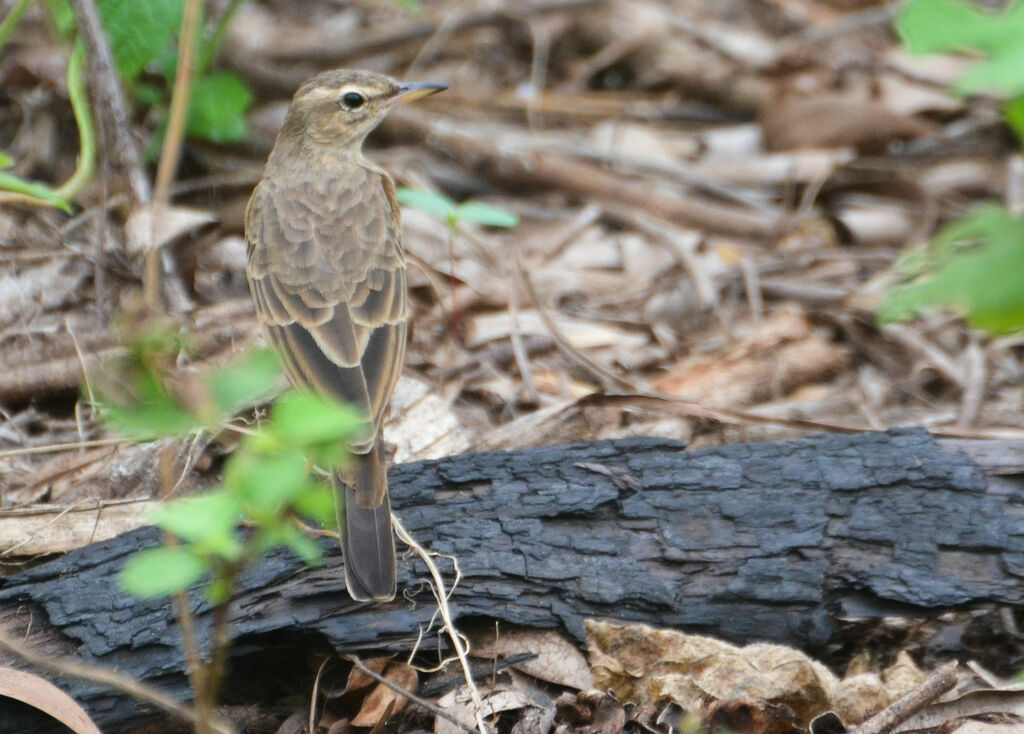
x=831 y=121
x=558 y=660
x=358 y=680
x=590 y=712
x=40 y=694
x=772 y=359
x=383 y=701
x=650 y=666
x=751 y=717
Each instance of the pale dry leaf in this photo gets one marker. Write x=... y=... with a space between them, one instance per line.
x=557 y=659
x=581 y=333
x=41 y=288
x=902 y=676
x=775 y=169
x=638 y=141
x=40 y=694
x=650 y=666
x=422 y=425
x=859 y=696
x=904 y=95
x=145 y=230
x=459 y=704
x=41 y=529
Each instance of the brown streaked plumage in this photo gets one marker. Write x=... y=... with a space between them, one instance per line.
x=327 y=271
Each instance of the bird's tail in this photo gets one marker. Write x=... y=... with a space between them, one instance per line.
x=364 y=520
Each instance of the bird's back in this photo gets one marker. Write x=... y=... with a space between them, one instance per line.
x=327 y=269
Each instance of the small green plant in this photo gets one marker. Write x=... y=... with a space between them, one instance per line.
x=446 y=209
x=973 y=265
x=269 y=481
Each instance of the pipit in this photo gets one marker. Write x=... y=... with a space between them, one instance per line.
x=327 y=271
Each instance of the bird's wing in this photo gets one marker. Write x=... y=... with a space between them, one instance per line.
x=327 y=271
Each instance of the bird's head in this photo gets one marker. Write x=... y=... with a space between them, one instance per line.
x=336 y=110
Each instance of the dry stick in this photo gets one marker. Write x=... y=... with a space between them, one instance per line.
x=315 y=695
x=171 y=151
x=609 y=380
x=412 y=697
x=178 y=113
x=975 y=382
x=108 y=99
x=911 y=702
x=522 y=359
x=371 y=43
x=544 y=168
x=446 y=615
x=109 y=678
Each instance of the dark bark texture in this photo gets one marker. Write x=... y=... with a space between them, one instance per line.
x=781 y=541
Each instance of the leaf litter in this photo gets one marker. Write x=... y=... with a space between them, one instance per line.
x=717 y=201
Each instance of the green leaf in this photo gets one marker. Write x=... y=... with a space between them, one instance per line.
x=973 y=266
x=156 y=572
x=217 y=108
x=437 y=204
x=317 y=502
x=138 y=31
x=302 y=419
x=1014 y=114
x=63 y=16
x=244 y=385
x=481 y=213
x=35 y=189
x=149 y=94
x=936 y=26
x=301 y=544
x=150 y=413
x=208 y=521
x=267 y=482
x=5 y=160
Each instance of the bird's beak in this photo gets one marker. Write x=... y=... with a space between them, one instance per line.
x=412 y=91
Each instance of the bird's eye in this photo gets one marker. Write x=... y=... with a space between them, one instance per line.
x=352 y=100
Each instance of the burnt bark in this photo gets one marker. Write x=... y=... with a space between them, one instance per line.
x=779 y=541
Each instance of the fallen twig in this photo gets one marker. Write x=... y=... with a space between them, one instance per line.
x=911 y=702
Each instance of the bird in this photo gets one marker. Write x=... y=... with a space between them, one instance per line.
x=326 y=269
